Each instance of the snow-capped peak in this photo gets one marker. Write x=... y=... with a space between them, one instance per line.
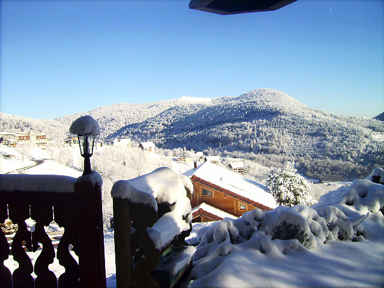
x=193 y=99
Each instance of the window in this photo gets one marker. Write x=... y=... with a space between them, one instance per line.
x=206 y=193
x=243 y=206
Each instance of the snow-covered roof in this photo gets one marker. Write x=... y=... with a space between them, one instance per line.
x=212 y=210
x=8 y=133
x=237 y=164
x=212 y=158
x=234 y=182
x=146 y=145
x=121 y=142
x=85 y=125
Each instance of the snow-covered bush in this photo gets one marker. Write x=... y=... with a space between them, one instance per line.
x=350 y=214
x=287 y=187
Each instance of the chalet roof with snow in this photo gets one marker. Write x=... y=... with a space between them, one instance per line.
x=210 y=211
x=232 y=184
x=236 y=164
x=212 y=159
x=147 y=144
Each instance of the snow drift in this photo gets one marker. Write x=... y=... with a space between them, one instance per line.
x=337 y=242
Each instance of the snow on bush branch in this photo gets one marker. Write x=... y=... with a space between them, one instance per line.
x=287 y=187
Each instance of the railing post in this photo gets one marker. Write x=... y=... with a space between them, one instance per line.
x=90 y=234
x=123 y=257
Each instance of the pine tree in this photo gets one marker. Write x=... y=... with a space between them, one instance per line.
x=287 y=187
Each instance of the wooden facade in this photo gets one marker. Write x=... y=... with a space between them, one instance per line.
x=221 y=198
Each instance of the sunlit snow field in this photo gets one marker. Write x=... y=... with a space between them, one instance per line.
x=259 y=261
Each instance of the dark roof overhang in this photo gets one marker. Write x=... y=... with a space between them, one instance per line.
x=226 y=7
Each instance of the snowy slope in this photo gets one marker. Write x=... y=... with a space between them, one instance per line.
x=263 y=121
x=11 y=123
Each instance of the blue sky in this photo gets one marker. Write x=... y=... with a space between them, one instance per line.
x=63 y=57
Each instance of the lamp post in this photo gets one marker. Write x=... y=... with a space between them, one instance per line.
x=87 y=129
x=86 y=144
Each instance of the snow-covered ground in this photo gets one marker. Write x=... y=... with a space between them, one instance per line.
x=254 y=250
x=53 y=168
x=336 y=243
x=11 y=160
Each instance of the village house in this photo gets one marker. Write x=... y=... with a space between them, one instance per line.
x=147 y=147
x=227 y=192
x=122 y=142
x=237 y=166
x=212 y=159
x=71 y=139
x=12 y=139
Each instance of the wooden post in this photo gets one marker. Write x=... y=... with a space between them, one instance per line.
x=90 y=235
x=123 y=256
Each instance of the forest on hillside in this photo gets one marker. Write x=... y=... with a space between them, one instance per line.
x=265 y=126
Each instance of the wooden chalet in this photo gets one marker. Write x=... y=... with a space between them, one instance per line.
x=237 y=166
x=227 y=191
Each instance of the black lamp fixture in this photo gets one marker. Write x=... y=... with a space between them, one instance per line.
x=86 y=144
x=87 y=129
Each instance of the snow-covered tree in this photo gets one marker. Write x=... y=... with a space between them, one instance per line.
x=287 y=187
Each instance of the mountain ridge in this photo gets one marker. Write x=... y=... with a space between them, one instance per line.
x=259 y=122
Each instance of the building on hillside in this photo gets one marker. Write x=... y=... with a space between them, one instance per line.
x=212 y=159
x=122 y=142
x=184 y=159
x=147 y=147
x=9 y=139
x=199 y=156
x=228 y=191
x=71 y=139
x=237 y=166
x=12 y=139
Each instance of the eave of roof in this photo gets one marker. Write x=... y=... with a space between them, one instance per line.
x=211 y=210
x=202 y=212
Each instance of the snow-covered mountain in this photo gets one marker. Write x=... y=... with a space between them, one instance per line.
x=260 y=122
x=11 y=123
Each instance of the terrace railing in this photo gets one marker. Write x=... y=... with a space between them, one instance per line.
x=75 y=205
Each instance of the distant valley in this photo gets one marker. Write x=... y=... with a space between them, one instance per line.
x=263 y=125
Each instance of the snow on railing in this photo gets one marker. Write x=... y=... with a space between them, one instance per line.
x=75 y=205
x=160 y=186
x=150 y=212
x=42 y=183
